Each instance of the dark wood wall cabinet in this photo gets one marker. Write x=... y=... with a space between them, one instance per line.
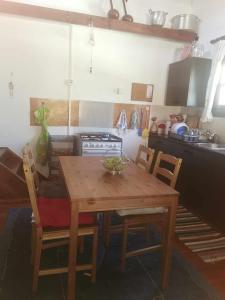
x=201 y=180
x=187 y=82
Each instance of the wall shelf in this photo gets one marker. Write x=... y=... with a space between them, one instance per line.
x=63 y=16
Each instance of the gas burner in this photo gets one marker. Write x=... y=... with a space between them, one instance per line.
x=104 y=137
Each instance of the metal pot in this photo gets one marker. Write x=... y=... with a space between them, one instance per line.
x=186 y=22
x=157 y=17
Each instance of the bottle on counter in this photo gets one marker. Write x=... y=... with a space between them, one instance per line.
x=168 y=127
x=154 y=126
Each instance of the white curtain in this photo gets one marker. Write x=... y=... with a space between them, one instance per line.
x=214 y=80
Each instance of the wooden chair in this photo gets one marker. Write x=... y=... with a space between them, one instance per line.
x=146 y=216
x=159 y=170
x=144 y=157
x=51 y=228
x=44 y=188
x=144 y=160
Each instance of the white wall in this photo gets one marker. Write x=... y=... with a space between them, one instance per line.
x=36 y=51
x=211 y=13
x=37 y=57
x=119 y=60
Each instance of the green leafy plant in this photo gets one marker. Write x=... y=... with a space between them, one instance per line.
x=115 y=164
x=41 y=117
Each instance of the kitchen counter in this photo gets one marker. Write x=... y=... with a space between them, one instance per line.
x=201 y=145
x=201 y=181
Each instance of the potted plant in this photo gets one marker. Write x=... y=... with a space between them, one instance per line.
x=41 y=117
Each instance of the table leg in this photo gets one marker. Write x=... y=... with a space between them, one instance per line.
x=106 y=227
x=71 y=290
x=3 y=217
x=168 y=243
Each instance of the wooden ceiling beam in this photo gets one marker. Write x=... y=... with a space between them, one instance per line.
x=45 y=13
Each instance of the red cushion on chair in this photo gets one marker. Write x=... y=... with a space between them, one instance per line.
x=55 y=212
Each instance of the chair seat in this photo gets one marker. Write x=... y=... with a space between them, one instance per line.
x=141 y=211
x=55 y=212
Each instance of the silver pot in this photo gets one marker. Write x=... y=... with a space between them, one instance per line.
x=186 y=22
x=157 y=17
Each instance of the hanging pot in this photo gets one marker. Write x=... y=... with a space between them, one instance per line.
x=113 y=13
x=126 y=17
x=157 y=17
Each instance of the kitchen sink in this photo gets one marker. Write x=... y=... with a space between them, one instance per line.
x=212 y=146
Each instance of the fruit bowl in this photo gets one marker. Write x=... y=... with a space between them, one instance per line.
x=114 y=165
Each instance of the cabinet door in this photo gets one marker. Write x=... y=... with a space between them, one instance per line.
x=199 y=75
x=184 y=179
x=157 y=143
x=178 y=83
x=198 y=188
x=216 y=207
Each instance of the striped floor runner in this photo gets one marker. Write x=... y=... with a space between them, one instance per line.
x=199 y=236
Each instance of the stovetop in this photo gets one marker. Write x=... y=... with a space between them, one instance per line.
x=99 y=137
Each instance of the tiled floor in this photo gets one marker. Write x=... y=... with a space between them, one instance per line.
x=140 y=281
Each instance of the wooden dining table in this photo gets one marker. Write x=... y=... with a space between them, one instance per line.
x=92 y=189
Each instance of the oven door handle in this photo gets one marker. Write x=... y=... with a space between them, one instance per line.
x=101 y=151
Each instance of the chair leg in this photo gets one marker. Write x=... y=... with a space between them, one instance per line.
x=94 y=256
x=33 y=242
x=37 y=259
x=124 y=246
x=81 y=244
x=107 y=224
x=147 y=233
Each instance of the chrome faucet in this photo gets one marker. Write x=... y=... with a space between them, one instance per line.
x=211 y=136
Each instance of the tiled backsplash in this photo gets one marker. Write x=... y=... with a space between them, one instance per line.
x=162 y=112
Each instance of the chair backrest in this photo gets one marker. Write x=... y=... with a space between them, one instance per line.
x=28 y=153
x=148 y=154
x=171 y=176
x=29 y=177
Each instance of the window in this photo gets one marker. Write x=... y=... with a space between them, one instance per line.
x=219 y=103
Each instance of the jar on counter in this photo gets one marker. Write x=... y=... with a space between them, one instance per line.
x=161 y=129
